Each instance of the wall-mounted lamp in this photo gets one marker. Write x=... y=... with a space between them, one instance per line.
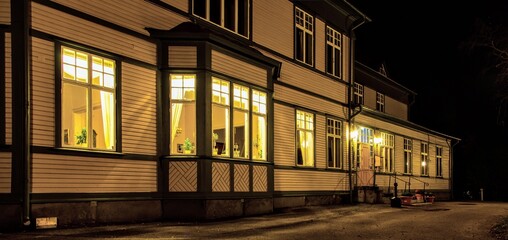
x=354 y=134
x=377 y=140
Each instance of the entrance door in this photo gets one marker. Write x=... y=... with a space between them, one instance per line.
x=365 y=172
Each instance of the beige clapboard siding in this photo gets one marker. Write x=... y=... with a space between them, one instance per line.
x=395 y=108
x=399 y=154
x=182 y=56
x=284 y=140
x=132 y=14
x=305 y=180
x=64 y=25
x=239 y=69
x=272 y=25
x=417 y=158
x=8 y=89
x=5 y=172
x=346 y=51
x=182 y=5
x=320 y=38
x=295 y=97
x=138 y=110
x=369 y=97
x=320 y=140
x=72 y=174
x=43 y=93
x=5 y=11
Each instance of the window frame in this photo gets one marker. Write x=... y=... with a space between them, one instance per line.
x=387 y=153
x=331 y=132
x=408 y=156
x=439 y=161
x=424 y=153
x=305 y=130
x=380 y=102
x=58 y=49
x=358 y=90
x=331 y=42
x=183 y=101
x=305 y=27
x=223 y=20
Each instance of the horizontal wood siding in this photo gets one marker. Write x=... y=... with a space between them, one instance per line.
x=182 y=56
x=5 y=11
x=304 y=180
x=132 y=14
x=72 y=174
x=395 y=108
x=446 y=162
x=139 y=133
x=399 y=154
x=5 y=172
x=8 y=89
x=272 y=25
x=239 y=69
x=369 y=97
x=76 y=29
x=284 y=140
x=320 y=139
x=182 y=5
x=297 y=98
x=346 y=51
x=43 y=93
x=320 y=36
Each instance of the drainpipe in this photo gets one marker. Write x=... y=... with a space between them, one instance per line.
x=20 y=24
x=352 y=27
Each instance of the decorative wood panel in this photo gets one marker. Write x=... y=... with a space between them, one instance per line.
x=182 y=5
x=220 y=177
x=138 y=109
x=182 y=56
x=43 y=93
x=73 y=174
x=128 y=14
x=241 y=177
x=309 y=101
x=5 y=172
x=5 y=12
x=284 y=140
x=8 y=89
x=64 y=25
x=278 y=37
x=305 y=180
x=183 y=176
x=239 y=69
x=260 y=178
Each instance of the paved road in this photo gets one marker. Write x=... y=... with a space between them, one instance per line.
x=442 y=220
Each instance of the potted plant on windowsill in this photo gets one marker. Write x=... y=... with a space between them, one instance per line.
x=188 y=147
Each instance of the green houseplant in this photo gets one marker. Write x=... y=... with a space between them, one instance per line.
x=188 y=146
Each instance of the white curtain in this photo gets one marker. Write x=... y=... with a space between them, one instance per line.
x=176 y=113
x=108 y=118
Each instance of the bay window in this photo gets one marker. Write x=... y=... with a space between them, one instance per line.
x=259 y=129
x=183 y=114
x=220 y=116
x=88 y=100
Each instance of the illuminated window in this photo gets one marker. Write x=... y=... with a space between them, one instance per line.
x=439 y=161
x=232 y=15
x=304 y=36
x=425 y=159
x=240 y=121
x=259 y=129
x=408 y=156
x=365 y=139
x=333 y=52
x=380 y=102
x=183 y=114
x=304 y=138
x=334 y=143
x=386 y=151
x=88 y=100
x=358 y=93
x=220 y=117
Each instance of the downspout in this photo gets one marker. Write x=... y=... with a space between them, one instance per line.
x=352 y=27
x=20 y=23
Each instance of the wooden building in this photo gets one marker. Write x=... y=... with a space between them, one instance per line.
x=141 y=110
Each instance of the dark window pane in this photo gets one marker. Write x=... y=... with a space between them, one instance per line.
x=330 y=151
x=243 y=14
x=200 y=8
x=299 y=44
x=329 y=59
x=229 y=14
x=308 y=48
x=337 y=63
x=337 y=153
x=215 y=11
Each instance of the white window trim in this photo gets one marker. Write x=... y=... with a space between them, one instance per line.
x=337 y=160
x=222 y=17
x=307 y=27
x=334 y=39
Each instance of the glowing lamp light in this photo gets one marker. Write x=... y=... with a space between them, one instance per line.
x=424 y=163
x=377 y=140
x=354 y=134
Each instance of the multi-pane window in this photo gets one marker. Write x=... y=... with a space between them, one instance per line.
x=304 y=36
x=229 y=14
x=334 y=144
x=183 y=113
x=304 y=138
x=358 y=93
x=439 y=161
x=386 y=152
x=380 y=102
x=333 y=52
x=244 y=134
x=424 y=151
x=88 y=100
x=408 y=156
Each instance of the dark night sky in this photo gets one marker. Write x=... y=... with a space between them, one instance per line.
x=419 y=42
